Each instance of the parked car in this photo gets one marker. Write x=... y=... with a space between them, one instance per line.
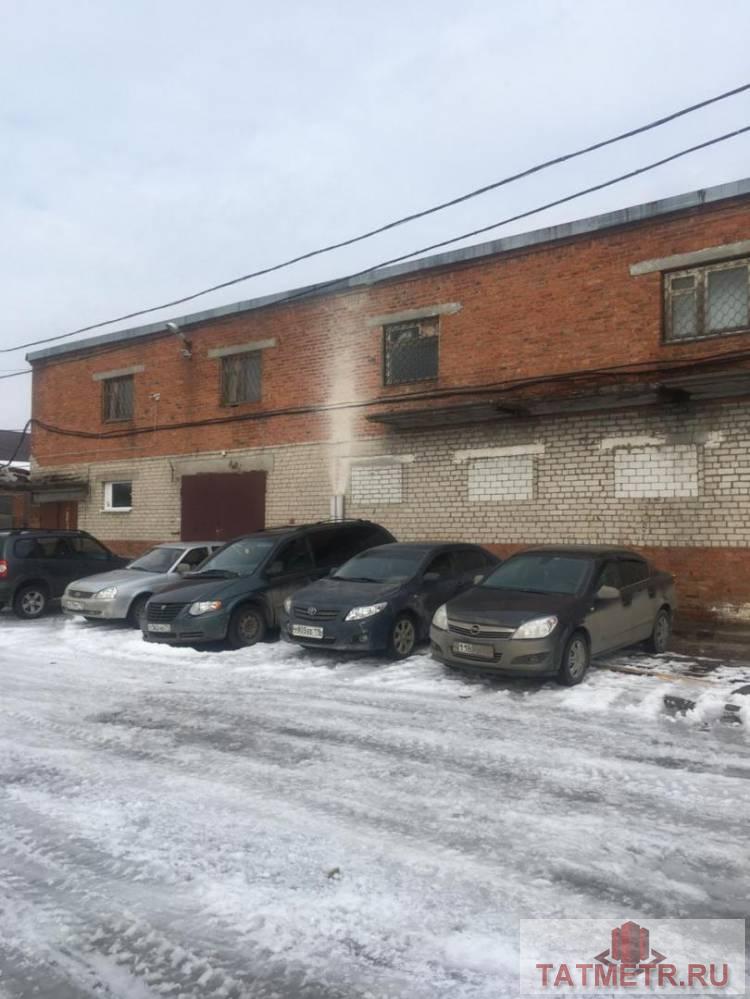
x=36 y=565
x=383 y=599
x=122 y=594
x=549 y=610
x=238 y=594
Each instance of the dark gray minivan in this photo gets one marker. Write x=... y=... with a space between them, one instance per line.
x=238 y=594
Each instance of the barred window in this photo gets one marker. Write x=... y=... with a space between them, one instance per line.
x=117 y=398
x=707 y=301
x=411 y=351
x=241 y=378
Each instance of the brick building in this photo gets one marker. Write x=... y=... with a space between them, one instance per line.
x=584 y=383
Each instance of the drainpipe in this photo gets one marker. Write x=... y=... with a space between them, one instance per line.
x=337 y=507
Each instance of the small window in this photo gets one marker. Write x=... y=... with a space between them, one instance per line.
x=411 y=351
x=39 y=548
x=633 y=571
x=707 y=301
x=117 y=398
x=293 y=557
x=610 y=576
x=118 y=495
x=83 y=547
x=471 y=560
x=194 y=557
x=241 y=378
x=442 y=564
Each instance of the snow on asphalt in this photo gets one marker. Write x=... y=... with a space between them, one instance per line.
x=275 y=822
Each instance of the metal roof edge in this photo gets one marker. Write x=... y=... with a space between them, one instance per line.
x=507 y=244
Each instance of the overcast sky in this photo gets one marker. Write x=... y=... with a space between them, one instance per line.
x=148 y=149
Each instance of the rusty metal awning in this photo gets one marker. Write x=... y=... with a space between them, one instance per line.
x=675 y=389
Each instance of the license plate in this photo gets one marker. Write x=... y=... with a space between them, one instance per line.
x=474 y=650
x=306 y=631
x=161 y=628
x=73 y=605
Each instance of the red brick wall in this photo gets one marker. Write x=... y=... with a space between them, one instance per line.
x=546 y=310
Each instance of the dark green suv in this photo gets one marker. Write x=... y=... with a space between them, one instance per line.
x=36 y=565
x=239 y=593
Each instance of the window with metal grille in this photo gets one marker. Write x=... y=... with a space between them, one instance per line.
x=117 y=398
x=707 y=301
x=411 y=351
x=241 y=378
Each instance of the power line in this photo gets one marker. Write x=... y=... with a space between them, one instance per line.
x=342 y=281
x=555 y=161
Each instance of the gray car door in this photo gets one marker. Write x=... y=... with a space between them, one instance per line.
x=639 y=595
x=608 y=621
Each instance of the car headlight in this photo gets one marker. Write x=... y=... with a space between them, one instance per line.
x=108 y=593
x=358 y=613
x=288 y=605
x=440 y=618
x=203 y=607
x=540 y=627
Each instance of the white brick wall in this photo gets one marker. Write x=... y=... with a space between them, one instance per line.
x=506 y=479
x=372 y=485
x=666 y=472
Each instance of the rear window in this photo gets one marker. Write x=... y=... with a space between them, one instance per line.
x=379 y=566
x=41 y=548
x=542 y=573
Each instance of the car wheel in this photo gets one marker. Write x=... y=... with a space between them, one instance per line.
x=659 y=640
x=137 y=611
x=403 y=638
x=246 y=627
x=30 y=601
x=576 y=660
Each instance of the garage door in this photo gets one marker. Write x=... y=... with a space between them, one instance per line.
x=221 y=506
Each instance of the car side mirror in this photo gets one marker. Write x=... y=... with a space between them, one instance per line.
x=431 y=577
x=479 y=578
x=607 y=593
x=333 y=570
x=275 y=568
x=182 y=569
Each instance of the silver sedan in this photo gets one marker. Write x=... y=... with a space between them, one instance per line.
x=121 y=595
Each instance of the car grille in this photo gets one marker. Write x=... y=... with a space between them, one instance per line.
x=304 y=613
x=80 y=594
x=161 y=613
x=479 y=630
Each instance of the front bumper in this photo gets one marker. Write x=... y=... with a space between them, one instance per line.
x=514 y=656
x=371 y=634
x=106 y=610
x=186 y=629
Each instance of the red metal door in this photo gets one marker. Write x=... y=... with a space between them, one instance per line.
x=53 y=516
x=219 y=506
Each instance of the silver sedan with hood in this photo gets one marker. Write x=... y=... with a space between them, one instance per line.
x=121 y=595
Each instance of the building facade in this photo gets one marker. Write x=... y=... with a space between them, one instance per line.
x=586 y=383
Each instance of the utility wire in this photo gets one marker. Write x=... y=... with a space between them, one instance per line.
x=565 y=157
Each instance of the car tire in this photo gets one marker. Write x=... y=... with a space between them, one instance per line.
x=576 y=659
x=247 y=627
x=403 y=637
x=662 y=632
x=31 y=601
x=137 y=611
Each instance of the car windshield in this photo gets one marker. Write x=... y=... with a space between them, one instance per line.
x=380 y=567
x=240 y=558
x=541 y=573
x=157 y=560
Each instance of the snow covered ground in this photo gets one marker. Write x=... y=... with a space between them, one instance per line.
x=274 y=822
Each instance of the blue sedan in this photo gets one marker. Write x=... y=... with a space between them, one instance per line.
x=383 y=599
